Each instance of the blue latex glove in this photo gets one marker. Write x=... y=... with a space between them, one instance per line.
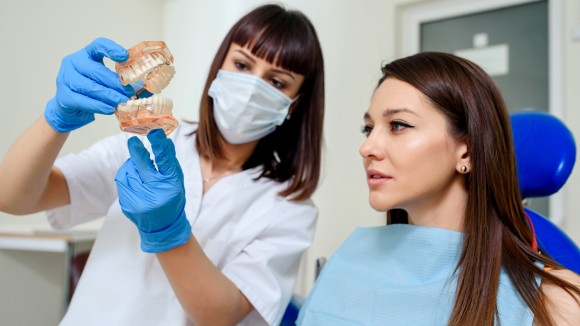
x=154 y=198
x=85 y=86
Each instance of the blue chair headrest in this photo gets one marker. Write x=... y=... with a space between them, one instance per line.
x=545 y=152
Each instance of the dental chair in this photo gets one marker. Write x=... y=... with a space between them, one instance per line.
x=545 y=155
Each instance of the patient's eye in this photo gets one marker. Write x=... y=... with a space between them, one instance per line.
x=366 y=130
x=398 y=126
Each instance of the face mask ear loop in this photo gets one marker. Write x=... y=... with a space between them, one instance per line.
x=289 y=112
x=276 y=157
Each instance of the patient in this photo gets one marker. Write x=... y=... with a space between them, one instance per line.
x=458 y=248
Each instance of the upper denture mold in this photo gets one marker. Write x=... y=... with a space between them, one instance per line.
x=149 y=67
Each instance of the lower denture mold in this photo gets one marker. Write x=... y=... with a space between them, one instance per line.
x=139 y=116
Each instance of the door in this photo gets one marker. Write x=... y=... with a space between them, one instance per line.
x=512 y=40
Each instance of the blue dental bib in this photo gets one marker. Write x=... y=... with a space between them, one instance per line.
x=397 y=275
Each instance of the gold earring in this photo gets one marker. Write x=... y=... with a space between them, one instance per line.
x=463 y=169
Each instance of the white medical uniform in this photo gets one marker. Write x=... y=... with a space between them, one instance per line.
x=255 y=237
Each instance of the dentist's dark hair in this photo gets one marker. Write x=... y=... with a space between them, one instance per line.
x=288 y=39
x=496 y=230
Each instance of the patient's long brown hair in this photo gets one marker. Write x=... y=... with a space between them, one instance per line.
x=496 y=234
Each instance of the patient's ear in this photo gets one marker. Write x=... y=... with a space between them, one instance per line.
x=463 y=165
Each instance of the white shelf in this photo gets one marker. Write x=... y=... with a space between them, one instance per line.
x=44 y=241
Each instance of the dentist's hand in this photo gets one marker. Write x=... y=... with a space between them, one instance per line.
x=154 y=198
x=85 y=86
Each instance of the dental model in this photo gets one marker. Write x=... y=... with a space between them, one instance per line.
x=148 y=70
x=139 y=116
x=149 y=66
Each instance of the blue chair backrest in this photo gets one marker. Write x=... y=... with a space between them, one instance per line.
x=545 y=155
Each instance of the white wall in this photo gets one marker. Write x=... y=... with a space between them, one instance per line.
x=572 y=113
x=356 y=36
x=35 y=35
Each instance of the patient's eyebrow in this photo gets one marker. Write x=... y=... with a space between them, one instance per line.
x=389 y=112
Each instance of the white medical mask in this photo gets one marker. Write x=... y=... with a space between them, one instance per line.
x=246 y=108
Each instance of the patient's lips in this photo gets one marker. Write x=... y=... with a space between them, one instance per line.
x=375 y=177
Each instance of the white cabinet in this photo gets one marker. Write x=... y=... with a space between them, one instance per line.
x=35 y=275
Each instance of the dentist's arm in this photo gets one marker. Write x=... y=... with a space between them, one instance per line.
x=154 y=199
x=28 y=181
x=205 y=293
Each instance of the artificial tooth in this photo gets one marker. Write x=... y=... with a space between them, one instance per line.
x=159 y=58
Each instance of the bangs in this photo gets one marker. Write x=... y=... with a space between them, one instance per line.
x=280 y=39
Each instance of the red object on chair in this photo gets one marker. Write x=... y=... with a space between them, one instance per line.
x=77 y=265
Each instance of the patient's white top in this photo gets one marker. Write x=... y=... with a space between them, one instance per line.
x=254 y=236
